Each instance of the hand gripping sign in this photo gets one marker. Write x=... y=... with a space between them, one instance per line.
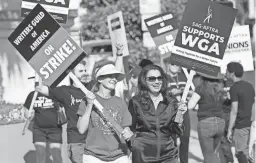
x=203 y=35
x=202 y=38
x=31 y=107
x=48 y=48
x=117 y=32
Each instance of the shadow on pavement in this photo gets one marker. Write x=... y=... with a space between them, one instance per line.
x=30 y=157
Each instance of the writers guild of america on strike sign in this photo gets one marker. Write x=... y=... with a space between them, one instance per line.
x=46 y=46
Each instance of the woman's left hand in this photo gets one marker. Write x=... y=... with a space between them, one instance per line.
x=127 y=133
x=182 y=106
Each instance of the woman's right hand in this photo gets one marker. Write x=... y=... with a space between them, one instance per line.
x=30 y=114
x=90 y=97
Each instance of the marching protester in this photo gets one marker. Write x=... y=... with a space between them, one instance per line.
x=133 y=80
x=102 y=143
x=153 y=114
x=176 y=84
x=46 y=129
x=252 y=141
x=145 y=62
x=242 y=96
x=70 y=97
x=226 y=155
x=211 y=123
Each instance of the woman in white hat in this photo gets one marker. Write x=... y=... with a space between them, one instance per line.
x=103 y=144
x=210 y=96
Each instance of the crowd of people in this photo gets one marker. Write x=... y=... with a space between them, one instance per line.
x=149 y=133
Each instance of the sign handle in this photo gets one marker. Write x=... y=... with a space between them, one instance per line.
x=182 y=111
x=31 y=107
x=188 y=84
x=112 y=122
x=185 y=70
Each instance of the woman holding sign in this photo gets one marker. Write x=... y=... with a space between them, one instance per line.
x=210 y=96
x=153 y=114
x=103 y=144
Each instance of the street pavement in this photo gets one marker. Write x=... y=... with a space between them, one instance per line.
x=15 y=148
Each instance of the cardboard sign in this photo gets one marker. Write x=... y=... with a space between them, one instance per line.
x=143 y=17
x=46 y=46
x=163 y=30
x=203 y=35
x=117 y=32
x=150 y=7
x=239 y=49
x=57 y=8
x=148 y=42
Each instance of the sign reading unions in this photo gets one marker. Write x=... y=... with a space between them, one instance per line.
x=35 y=39
x=239 y=49
x=203 y=36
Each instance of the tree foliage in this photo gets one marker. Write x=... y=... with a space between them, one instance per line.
x=95 y=23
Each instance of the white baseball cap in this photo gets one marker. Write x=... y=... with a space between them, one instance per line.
x=109 y=69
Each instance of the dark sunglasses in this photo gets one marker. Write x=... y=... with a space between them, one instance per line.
x=153 y=78
x=111 y=76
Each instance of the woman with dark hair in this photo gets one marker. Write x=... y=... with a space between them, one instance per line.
x=209 y=95
x=153 y=115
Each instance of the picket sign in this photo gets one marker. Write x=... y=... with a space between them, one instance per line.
x=182 y=111
x=188 y=84
x=31 y=107
x=185 y=70
x=110 y=119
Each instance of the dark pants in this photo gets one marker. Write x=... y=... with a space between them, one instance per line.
x=210 y=132
x=184 y=139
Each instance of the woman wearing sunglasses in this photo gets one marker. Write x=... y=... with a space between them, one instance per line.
x=153 y=116
x=103 y=144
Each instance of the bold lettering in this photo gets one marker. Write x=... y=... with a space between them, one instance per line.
x=45 y=73
x=54 y=63
x=185 y=28
x=189 y=40
x=61 y=54
x=212 y=37
x=67 y=48
x=58 y=58
x=246 y=44
x=215 y=48
x=201 y=33
x=196 y=31
x=201 y=46
x=46 y=65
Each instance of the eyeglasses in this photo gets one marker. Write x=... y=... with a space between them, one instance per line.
x=153 y=78
x=111 y=76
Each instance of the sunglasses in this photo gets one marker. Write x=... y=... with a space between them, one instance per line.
x=111 y=76
x=153 y=78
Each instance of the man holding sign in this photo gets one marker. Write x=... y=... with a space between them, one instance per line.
x=45 y=127
x=70 y=97
x=35 y=39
